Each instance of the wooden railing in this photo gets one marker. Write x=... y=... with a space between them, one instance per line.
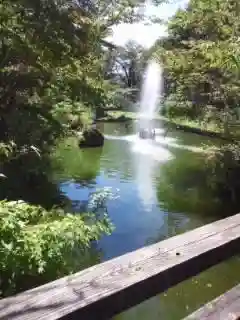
x=225 y=307
x=109 y=288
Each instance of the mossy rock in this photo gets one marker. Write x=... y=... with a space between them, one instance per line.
x=122 y=118
x=91 y=138
x=100 y=113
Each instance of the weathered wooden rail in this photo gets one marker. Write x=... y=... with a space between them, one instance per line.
x=225 y=307
x=113 y=286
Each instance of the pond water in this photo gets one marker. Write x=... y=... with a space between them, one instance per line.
x=163 y=189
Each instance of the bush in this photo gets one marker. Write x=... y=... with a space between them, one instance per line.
x=174 y=107
x=39 y=245
x=224 y=165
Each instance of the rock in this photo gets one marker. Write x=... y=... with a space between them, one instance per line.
x=100 y=112
x=122 y=118
x=91 y=138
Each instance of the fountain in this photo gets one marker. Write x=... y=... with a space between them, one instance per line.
x=149 y=103
x=150 y=152
x=150 y=95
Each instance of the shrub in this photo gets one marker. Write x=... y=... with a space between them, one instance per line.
x=39 y=245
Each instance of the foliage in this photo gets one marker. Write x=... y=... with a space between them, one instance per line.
x=52 y=79
x=199 y=56
x=42 y=245
x=45 y=63
x=127 y=65
x=224 y=163
x=125 y=68
x=202 y=78
x=52 y=56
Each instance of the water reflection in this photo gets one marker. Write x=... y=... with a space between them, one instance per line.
x=144 y=175
x=82 y=165
x=115 y=160
x=145 y=159
x=158 y=147
x=187 y=185
x=29 y=178
x=164 y=190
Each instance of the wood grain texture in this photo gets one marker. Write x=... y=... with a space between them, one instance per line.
x=225 y=307
x=106 y=289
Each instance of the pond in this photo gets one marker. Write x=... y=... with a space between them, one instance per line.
x=163 y=189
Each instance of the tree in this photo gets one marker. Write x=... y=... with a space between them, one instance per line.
x=125 y=70
x=200 y=74
x=45 y=59
x=52 y=64
x=51 y=68
x=201 y=60
x=128 y=65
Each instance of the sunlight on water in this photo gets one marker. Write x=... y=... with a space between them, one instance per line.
x=147 y=156
x=154 y=148
x=153 y=151
x=171 y=142
x=144 y=179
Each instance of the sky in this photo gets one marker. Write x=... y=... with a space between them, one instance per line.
x=145 y=35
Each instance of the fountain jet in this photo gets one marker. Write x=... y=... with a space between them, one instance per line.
x=150 y=95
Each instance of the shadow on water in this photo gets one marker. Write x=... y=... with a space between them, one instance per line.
x=34 y=184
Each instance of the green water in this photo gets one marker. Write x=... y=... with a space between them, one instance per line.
x=163 y=188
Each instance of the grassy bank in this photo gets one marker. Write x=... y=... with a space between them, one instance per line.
x=118 y=116
x=211 y=127
x=121 y=116
x=199 y=127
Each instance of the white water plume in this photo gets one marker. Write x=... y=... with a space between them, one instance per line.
x=145 y=165
x=150 y=93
